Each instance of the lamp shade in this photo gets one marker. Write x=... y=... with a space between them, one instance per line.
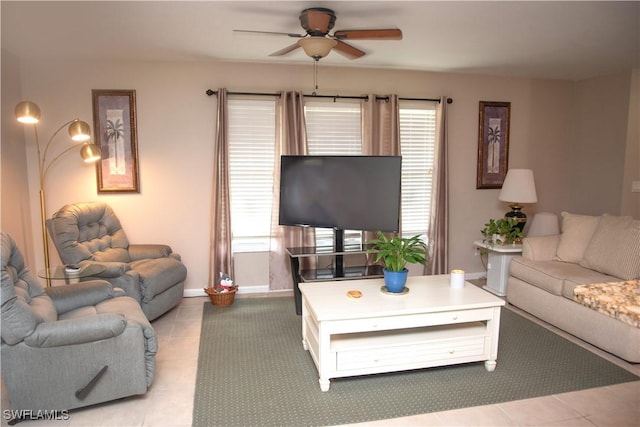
x=27 y=112
x=518 y=187
x=79 y=131
x=317 y=46
x=544 y=224
x=90 y=153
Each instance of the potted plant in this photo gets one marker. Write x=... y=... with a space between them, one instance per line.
x=501 y=231
x=395 y=253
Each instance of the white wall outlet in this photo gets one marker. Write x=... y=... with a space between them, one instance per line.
x=635 y=186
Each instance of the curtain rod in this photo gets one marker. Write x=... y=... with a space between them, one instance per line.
x=211 y=92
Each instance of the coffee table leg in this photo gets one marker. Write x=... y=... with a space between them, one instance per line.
x=490 y=365
x=324 y=384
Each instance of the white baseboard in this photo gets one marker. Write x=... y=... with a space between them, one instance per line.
x=190 y=293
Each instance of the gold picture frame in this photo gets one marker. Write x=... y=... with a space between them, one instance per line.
x=115 y=129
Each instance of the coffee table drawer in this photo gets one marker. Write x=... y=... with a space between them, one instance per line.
x=410 y=320
x=363 y=351
x=410 y=354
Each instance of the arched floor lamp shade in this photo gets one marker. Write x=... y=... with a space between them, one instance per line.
x=28 y=112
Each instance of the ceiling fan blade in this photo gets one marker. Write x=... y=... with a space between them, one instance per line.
x=379 y=34
x=348 y=50
x=274 y=33
x=285 y=50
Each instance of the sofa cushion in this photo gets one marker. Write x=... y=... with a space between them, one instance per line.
x=614 y=248
x=555 y=277
x=620 y=300
x=547 y=275
x=583 y=277
x=577 y=231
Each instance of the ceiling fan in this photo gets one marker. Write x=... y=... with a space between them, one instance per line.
x=318 y=43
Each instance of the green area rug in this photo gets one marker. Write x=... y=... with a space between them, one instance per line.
x=253 y=371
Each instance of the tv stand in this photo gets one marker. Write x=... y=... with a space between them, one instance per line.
x=337 y=272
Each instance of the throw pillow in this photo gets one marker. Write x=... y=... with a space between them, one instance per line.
x=577 y=231
x=615 y=248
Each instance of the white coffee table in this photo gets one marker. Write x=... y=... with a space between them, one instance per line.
x=431 y=325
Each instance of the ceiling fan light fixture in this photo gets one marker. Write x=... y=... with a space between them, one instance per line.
x=316 y=46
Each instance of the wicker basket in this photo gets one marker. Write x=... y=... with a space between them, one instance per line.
x=221 y=298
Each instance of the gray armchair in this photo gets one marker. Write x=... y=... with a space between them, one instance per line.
x=90 y=235
x=70 y=346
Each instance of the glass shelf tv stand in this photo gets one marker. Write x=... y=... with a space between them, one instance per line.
x=338 y=271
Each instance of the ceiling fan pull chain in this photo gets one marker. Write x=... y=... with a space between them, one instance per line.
x=315 y=76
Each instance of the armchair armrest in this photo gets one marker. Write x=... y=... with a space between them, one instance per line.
x=540 y=248
x=103 y=269
x=137 y=252
x=70 y=297
x=76 y=331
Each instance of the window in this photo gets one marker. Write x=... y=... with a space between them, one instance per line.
x=252 y=124
x=332 y=128
x=335 y=128
x=417 y=146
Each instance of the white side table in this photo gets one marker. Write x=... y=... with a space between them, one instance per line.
x=500 y=257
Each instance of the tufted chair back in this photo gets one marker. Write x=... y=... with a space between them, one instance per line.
x=89 y=234
x=88 y=231
x=24 y=301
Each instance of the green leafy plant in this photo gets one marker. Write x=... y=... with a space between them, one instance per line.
x=506 y=230
x=396 y=252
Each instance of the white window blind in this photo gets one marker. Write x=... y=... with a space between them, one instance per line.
x=417 y=143
x=333 y=128
x=251 y=135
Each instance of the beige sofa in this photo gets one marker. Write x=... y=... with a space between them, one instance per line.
x=584 y=281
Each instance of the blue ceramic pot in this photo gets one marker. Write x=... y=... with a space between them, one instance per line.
x=395 y=280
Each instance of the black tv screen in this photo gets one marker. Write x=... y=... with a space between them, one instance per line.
x=341 y=192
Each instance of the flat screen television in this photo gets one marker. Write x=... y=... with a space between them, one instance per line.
x=341 y=192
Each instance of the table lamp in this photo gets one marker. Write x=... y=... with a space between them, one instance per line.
x=518 y=188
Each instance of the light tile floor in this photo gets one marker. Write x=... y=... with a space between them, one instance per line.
x=169 y=401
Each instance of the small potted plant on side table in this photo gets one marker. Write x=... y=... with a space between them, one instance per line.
x=501 y=231
x=395 y=253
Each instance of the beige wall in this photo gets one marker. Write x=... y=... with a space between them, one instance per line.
x=176 y=124
x=14 y=200
x=631 y=201
x=598 y=154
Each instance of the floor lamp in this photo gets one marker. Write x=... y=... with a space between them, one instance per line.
x=28 y=112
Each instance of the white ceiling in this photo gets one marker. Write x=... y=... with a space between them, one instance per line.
x=564 y=40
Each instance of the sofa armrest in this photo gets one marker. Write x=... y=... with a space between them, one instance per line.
x=540 y=248
x=70 y=297
x=137 y=252
x=76 y=331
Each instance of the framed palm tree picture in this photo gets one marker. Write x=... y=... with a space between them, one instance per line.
x=114 y=124
x=493 y=144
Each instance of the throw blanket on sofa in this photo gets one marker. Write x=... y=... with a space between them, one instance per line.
x=620 y=300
